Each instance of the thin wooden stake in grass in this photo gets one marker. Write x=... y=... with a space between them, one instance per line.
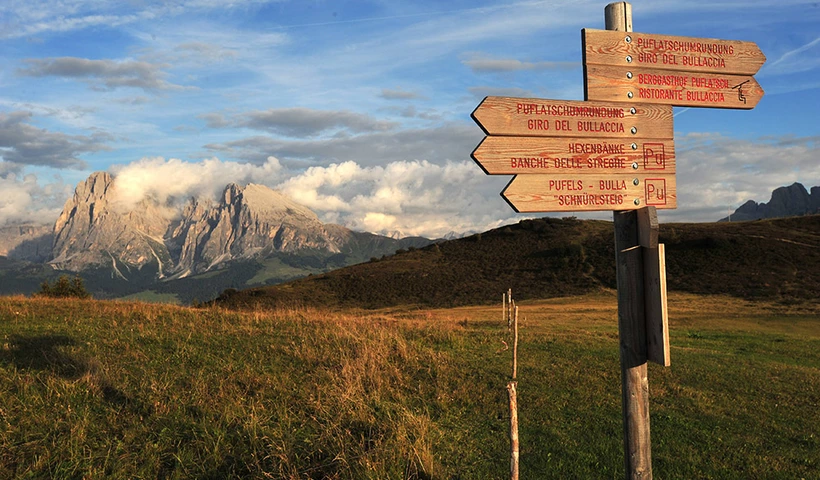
x=512 y=391
x=515 y=346
x=513 y=394
x=503 y=307
x=509 y=308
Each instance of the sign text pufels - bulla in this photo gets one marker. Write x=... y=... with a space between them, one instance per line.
x=548 y=193
x=564 y=118
x=631 y=49
x=498 y=155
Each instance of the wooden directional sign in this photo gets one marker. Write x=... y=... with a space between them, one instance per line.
x=684 y=89
x=630 y=49
x=564 y=193
x=514 y=155
x=565 y=118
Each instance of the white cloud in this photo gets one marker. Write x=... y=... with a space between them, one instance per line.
x=46 y=16
x=174 y=180
x=398 y=94
x=801 y=59
x=107 y=74
x=24 y=144
x=413 y=197
x=482 y=64
x=717 y=174
x=25 y=200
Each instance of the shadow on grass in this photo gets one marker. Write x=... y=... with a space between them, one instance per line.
x=44 y=353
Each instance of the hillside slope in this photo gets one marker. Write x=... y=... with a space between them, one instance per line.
x=543 y=258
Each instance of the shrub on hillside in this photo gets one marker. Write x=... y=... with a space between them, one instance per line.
x=64 y=287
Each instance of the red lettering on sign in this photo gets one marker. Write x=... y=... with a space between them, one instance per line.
x=536 y=162
x=648 y=58
x=653 y=156
x=662 y=80
x=655 y=191
x=660 y=94
x=612 y=184
x=590 y=199
x=713 y=97
x=566 y=185
x=564 y=162
x=538 y=124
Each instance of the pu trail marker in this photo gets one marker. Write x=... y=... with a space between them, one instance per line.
x=575 y=193
x=498 y=155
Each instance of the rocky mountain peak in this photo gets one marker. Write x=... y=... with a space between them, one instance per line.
x=244 y=222
x=793 y=200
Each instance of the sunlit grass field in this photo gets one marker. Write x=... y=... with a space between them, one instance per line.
x=92 y=389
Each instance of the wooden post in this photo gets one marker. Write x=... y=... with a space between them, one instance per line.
x=632 y=340
x=503 y=307
x=511 y=390
x=631 y=316
x=513 y=394
x=515 y=346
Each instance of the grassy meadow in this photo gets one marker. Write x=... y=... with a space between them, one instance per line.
x=92 y=389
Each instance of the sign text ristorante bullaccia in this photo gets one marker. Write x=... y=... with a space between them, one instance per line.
x=690 y=89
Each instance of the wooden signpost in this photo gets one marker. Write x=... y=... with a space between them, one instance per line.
x=513 y=155
x=624 y=66
x=577 y=193
x=536 y=117
x=615 y=151
x=631 y=49
x=683 y=89
x=578 y=156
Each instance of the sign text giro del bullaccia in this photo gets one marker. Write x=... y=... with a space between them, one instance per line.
x=614 y=151
x=680 y=71
x=578 y=156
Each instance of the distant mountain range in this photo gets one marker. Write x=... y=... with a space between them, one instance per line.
x=252 y=236
x=128 y=249
x=790 y=201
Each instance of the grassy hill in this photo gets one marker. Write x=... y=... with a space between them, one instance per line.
x=545 y=258
x=106 y=389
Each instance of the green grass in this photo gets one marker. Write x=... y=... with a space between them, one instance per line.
x=275 y=269
x=151 y=296
x=93 y=389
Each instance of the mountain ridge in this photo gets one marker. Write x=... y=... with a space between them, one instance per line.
x=98 y=236
x=548 y=257
x=787 y=201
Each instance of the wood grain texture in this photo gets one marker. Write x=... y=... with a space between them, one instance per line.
x=577 y=193
x=536 y=117
x=633 y=347
x=498 y=155
x=664 y=87
x=666 y=52
x=657 y=315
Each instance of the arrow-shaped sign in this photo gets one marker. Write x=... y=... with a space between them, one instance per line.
x=683 y=89
x=518 y=155
x=572 y=193
x=630 y=49
x=535 y=117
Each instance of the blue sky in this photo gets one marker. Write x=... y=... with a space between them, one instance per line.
x=361 y=110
